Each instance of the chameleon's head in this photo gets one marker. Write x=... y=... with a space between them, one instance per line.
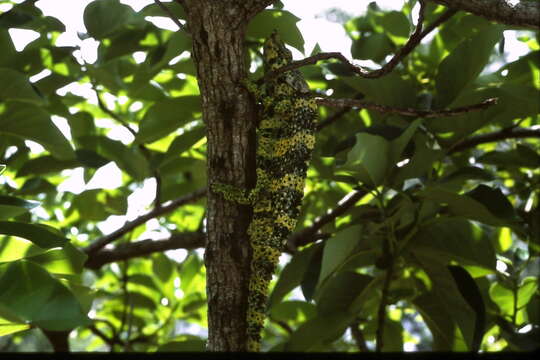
x=276 y=54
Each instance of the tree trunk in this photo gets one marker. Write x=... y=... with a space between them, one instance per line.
x=218 y=31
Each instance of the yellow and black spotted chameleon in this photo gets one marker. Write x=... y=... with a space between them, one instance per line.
x=285 y=141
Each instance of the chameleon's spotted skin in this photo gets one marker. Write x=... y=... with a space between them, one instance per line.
x=285 y=140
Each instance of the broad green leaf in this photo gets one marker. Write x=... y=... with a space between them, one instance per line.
x=162 y=267
x=460 y=69
x=11 y=206
x=185 y=141
x=372 y=46
x=16 y=86
x=283 y=21
x=103 y=17
x=8 y=327
x=398 y=145
x=15 y=248
x=31 y=122
x=396 y=26
x=439 y=322
x=521 y=156
x=338 y=249
x=166 y=116
x=127 y=158
x=67 y=260
x=294 y=310
x=455 y=239
x=38 y=298
x=448 y=296
x=504 y=297
x=319 y=330
x=471 y=293
x=38 y=234
x=368 y=160
x=339 y=292
x=46 y=164
x=494 y=200
x=463 y=205
x=392 y=90
x=292 y=274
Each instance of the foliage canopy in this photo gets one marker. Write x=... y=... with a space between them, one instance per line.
x=440 y=247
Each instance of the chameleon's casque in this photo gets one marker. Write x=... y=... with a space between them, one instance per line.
x=285 y=141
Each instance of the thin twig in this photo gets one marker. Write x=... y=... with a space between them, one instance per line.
x=164 y=209
x=412 y=42
x=358 y=336
x=352 y=103
x=381 y=313
x=111 y=113
x=519 y=133
x=305 y=235
x=187 y=241
x=170 y=14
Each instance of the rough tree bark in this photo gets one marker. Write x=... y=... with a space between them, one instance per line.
x=218 y=33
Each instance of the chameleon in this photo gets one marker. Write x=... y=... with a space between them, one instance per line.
x=285 y=142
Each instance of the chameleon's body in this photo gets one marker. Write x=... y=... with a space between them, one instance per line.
x=285 y=140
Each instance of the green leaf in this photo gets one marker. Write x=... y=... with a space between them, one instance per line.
x=294 y=310
x=319 y=330
x=185 y=141
x=471 y=293
x=104 y=17
x=30 y=293
x=38 y=234
x=396 y=25
x=166 y=116
x=2 y=168
x=455 y=239
x=127 y=158
x=340 y=291
x=262 y=25
x=521 y=156
x=11 y=206
x=373 y=46
x=463 y=205
x=448 y=296
x=292 y=274
x=459 y=69
x=368 y=160
x=8 y=327
x=16 y=86
x=67 y=260
x=398 y=145
x=46 y=164
x=494 y=200
x=338 y=249
x=504 y=297
x=162 y=267
x=31 y=122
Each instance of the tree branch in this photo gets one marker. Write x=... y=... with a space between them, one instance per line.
x=514 y=133
x=524 y=13
x=305 y=235
x=164 y=209
x=413 y=41
x=170 y=14
x=358 y=336
x=127 y=251
x=352 y=103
